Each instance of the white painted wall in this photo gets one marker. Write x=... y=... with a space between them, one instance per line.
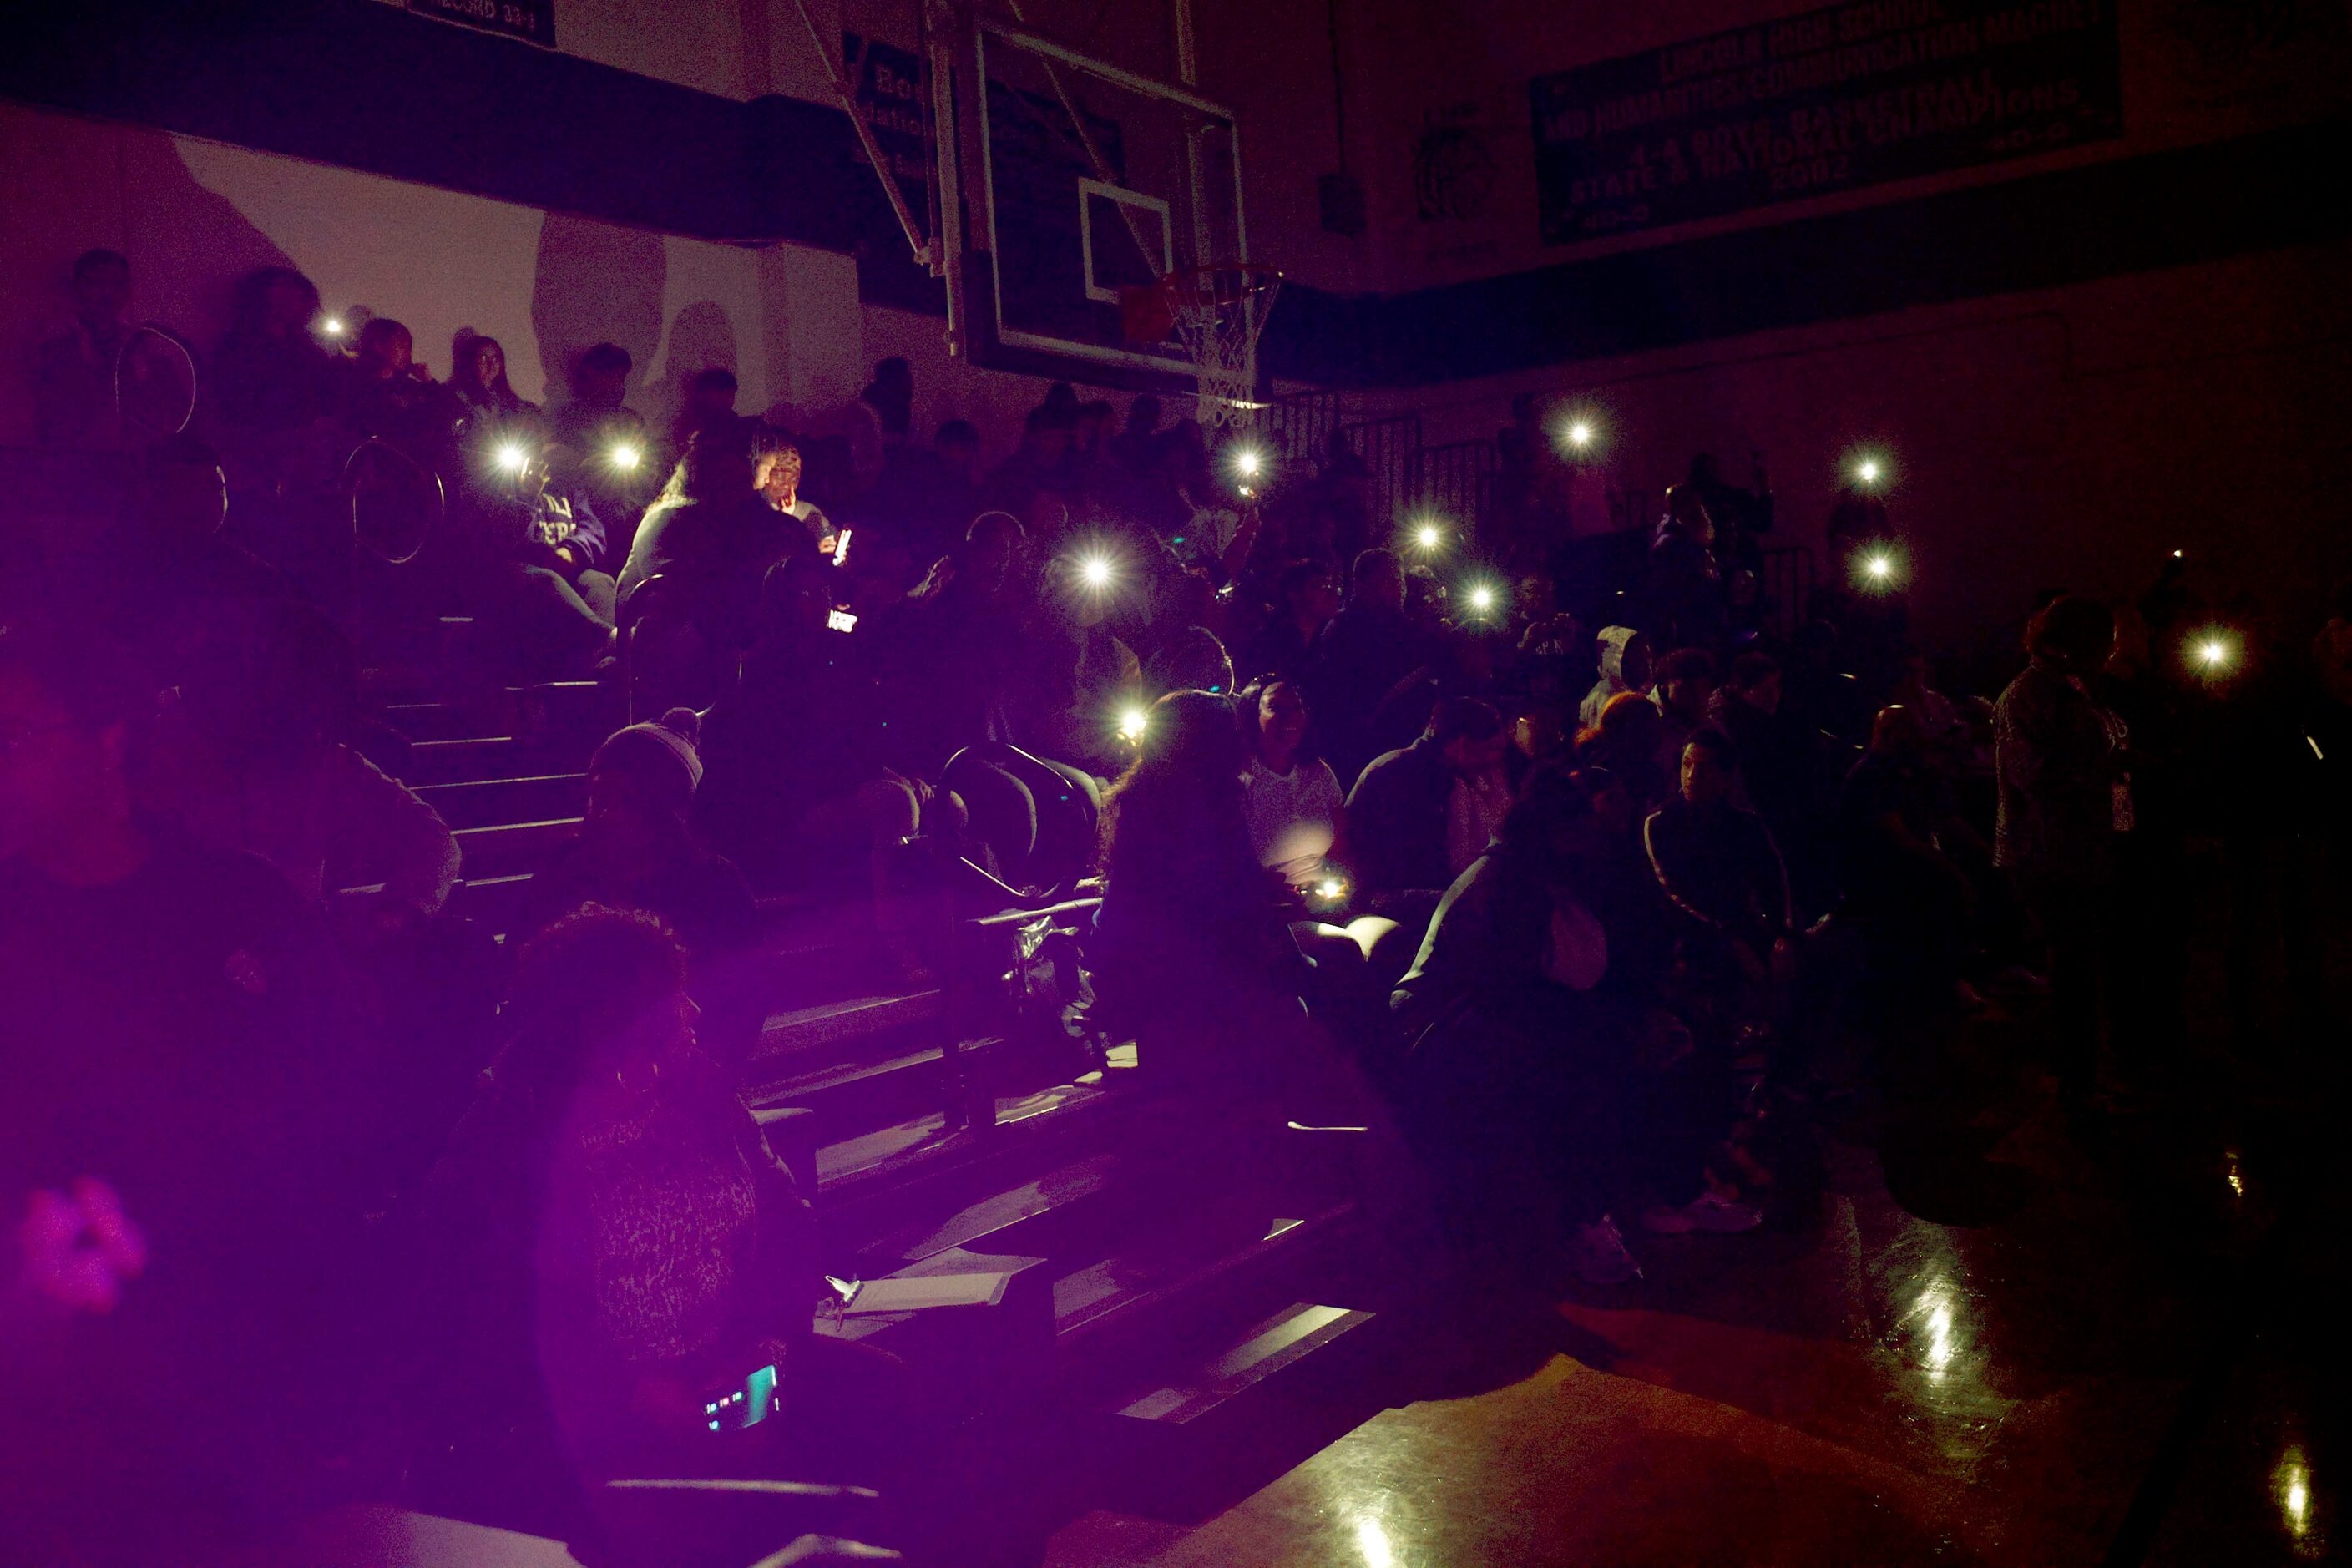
x=193 y=216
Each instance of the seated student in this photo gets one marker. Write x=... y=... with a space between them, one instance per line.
x=1719 y=867
x=478 y=379
x=1624 y=667
x=541 y=554
x=1290 y=796
x=607 y=1246
x=1191 y=948
x=777 y=476
x=637 y=851
x=1518 y=1067
x=1421 y=814
x=1625 y=742
x=180 y=1080
x=1685 y=687
x=797 y=788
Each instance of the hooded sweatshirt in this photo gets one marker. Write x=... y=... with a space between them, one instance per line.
x=1614 y=641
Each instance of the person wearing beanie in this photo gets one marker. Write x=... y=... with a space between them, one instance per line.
x=637 y=850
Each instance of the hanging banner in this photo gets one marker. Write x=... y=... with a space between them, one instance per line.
x=892 y=92
x=1848 y=96
x=531 y=20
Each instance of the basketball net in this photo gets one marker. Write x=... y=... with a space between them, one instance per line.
x=1215 y=314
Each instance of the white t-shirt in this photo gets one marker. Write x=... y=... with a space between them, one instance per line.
x=1294 y=817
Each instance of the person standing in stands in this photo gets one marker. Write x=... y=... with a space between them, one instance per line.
x=2065 y=795
x=182 y=1075
x=637 y=849
x=1519 y=1076
x=1419 y=814
x=270 y=377
x=619 y=465
x=1192 y=947
x=708 y=407
x=1363 y=651
x=74 y=371
x=711 y=538
x=1305 y=599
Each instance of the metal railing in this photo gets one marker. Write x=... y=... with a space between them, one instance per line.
x=1455 y=482
x=1387 y=447
x=1788 y=584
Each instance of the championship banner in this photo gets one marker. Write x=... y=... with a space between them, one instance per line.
x=531 y=20
x=1833 y=100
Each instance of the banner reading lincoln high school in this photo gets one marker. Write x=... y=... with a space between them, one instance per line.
x=1826 y=100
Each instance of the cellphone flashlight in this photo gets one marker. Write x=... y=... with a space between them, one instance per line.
x=1248 y=461
x=333 y=326
x=1330 y=890
x=1879 y=567
x=1579 y=435
x=1131 y=724
x=510 y=456
x=1429 y=536
x=1095 y=572
x=1868 y=471
x=1481 y=599
x=626 y=457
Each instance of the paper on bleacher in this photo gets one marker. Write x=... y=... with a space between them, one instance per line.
x=914 y=1295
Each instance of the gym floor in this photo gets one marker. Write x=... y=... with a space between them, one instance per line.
x=2006 y=1343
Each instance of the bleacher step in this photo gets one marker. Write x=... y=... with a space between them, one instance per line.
x=513 y=847
x=1265 y=1349
x=491 y=803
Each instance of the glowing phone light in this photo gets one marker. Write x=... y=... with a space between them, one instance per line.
x=1132 y=723
x=511 y=458
x=627 y=458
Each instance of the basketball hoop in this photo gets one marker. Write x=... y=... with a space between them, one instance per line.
x=1215 y=314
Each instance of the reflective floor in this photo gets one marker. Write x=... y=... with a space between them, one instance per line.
x=2005 y=1342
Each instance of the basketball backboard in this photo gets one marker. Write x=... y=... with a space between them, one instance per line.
x=1082 y=178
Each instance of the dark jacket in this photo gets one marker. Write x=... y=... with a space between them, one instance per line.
x=2055 y=755
x=1396 y=819
x=1719 y=867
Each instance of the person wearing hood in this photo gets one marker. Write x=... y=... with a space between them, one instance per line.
x=1624 y=656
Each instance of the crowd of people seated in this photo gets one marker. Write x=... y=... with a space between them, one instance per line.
x=1563 y=883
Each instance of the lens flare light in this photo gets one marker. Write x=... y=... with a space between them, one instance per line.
x=333 y=326
x=511 y=458
x=1132 y=723
x=627 y=458
x=1095 y=572
x=1428 y=536
x=1579 y=435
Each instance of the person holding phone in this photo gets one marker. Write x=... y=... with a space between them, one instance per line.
x=607 y=1242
